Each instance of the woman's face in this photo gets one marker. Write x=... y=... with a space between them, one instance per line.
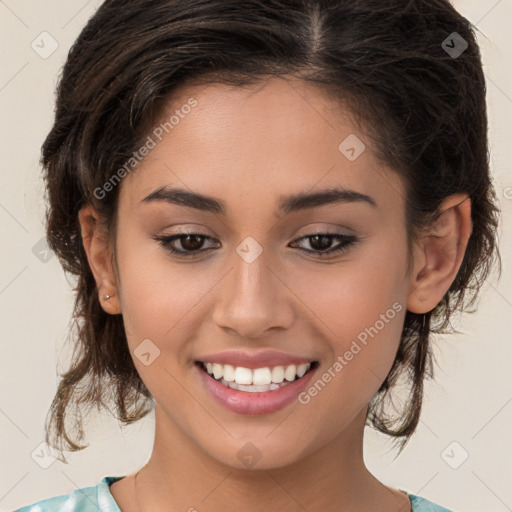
x=253 y=281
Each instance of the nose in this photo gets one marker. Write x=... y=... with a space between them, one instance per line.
x=254 y=298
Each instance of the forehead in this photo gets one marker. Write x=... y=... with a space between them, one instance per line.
x=274 y=139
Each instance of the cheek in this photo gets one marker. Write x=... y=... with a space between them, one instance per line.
x=159 y=303
x=359 y=312
x=163 y=301
x=155 y=294
x=350 y=296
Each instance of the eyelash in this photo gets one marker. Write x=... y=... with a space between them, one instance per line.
x=345 y=242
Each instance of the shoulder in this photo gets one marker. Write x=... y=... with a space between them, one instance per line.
x=96 y=498
x=420 y=504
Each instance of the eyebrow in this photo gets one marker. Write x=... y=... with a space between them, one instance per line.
x=287 y=204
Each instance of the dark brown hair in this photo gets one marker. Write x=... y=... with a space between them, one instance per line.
x=422 y=107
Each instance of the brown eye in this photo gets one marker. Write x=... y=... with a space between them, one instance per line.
x=320 y=243
x=191 y=243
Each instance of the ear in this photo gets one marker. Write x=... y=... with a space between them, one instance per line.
x=438 y=255
x=100 y=257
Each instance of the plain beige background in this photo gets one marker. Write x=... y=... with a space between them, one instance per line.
x=468 y=410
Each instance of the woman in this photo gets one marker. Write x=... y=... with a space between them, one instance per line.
x=269 y=207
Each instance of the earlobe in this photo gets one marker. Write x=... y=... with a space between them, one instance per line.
x=439 y=254
x=99 y=255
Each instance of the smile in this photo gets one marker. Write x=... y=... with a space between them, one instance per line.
x=256 y=380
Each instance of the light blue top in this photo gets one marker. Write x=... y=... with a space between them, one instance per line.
x=98 y=498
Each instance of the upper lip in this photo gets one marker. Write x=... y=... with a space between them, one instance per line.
x=252 y=360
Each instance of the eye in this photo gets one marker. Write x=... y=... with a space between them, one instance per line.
x=192 y=243
x=322 y=241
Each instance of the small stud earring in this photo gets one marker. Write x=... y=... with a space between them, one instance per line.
x=106 y=297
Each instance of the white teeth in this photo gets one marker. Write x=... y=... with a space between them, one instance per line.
x=243 y=375
x=217 y=370
x=302 y=369
x=235 y=376
x=229 y=373
x=261 y=376
x=253 y=389
x=290 y=372
x=277 y=374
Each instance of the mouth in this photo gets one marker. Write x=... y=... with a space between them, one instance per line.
x=256 y=380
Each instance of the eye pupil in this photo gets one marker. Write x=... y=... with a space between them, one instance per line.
x=325 y=242
x=194 y=246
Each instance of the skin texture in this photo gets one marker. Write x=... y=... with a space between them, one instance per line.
x=248 y=148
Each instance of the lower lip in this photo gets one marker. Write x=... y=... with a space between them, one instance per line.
x=265 y=402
